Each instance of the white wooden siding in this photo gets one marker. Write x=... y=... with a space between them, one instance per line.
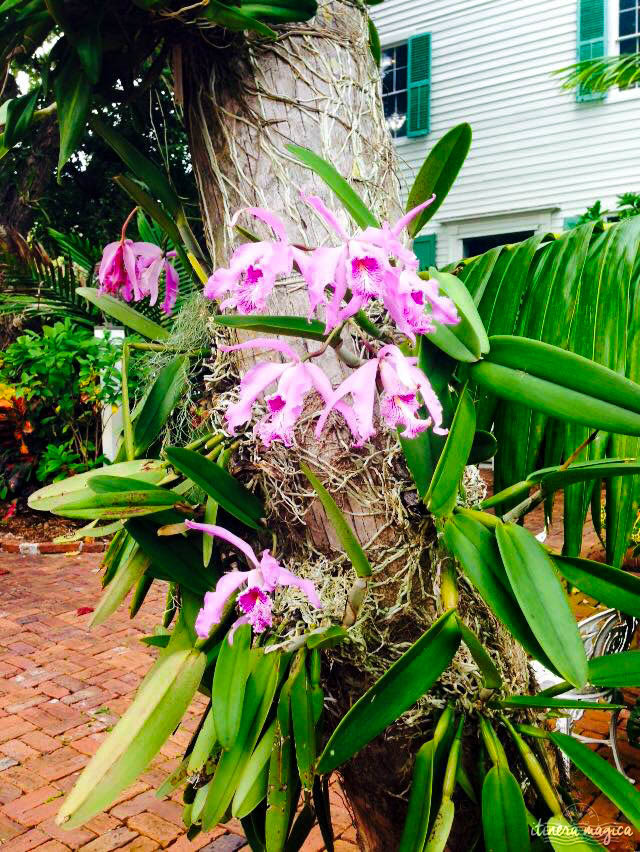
x=537 y=155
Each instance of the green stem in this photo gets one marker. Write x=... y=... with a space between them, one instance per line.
x=535 y=770
x=126 y=409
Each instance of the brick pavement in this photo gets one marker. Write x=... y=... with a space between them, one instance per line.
x=62 y=688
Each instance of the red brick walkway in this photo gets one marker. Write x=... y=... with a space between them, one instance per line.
x=61 y=690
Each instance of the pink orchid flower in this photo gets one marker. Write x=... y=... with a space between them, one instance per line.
x=405 y=389
x=255 y=602
x=253 y=269
x=150 y=265
x=131 y=270
x=362 y=265
x=406 y=298
x=295 y=379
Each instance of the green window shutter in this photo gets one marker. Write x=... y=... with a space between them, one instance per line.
x=591 y=28
x=570 y=222
x=419 y=85
x=424 y=249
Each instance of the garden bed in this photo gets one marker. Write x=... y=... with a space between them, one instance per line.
x=26 y=527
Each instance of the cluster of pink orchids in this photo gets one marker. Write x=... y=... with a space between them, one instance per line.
x=371 y=265
x=131 y=270
x=257 y=585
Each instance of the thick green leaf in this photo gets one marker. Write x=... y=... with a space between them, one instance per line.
x=477 y=551
x=181 y=563
x=127 y=575
x=492 y=678
x=124 y=313
x=470 y=330
x=398 y=689
x=562 y=703
x=584 y=471
x=293 y=326
x=234 y=18
x=73 y=99
x=141 y=167
x=345 y=534
x=611 y=586
x=504 y=816
x=565 y=369
x=350 y=199
x=19 y=114
x=45 y=499
x=438 y=173
x=374 y=42
x=259 y=694
x=159 y=403
x=416 y=824
x=621 y=669
x=115 y=504
x=565 y=836
x=151 y=718
x=539 y=592
x=445 y=339
x=483 y=448
x=553 y=399
x=218 y=484
x=106 y=484
x=229 y=683
x=598 y=770
x=303 y=723
x=252 y=788
x=151 y=207
x=443 y=491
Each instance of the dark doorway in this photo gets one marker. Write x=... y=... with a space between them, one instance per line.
x=473 y=246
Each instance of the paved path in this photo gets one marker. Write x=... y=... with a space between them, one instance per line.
x=61 y=690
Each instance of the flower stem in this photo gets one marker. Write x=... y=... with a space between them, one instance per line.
x=126 y=410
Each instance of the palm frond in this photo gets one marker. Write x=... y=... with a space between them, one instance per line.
x=600 y=75
x=44 y=289
x=576 y=290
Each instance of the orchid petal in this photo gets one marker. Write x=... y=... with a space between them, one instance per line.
x=171 y=287
x=275 y=575
x=221 y=532
x=274 y=222
x=410 y=216
x=361 y=384
x=216 y=602
x=319 y=206
x=108 y=256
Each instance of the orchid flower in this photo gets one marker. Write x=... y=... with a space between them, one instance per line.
x=295 y=379
x=406 y=298
x=151 y=265
x=253 y=269
x=255 y=602
x=405 y=388
x=130 y=270
x=362 y=265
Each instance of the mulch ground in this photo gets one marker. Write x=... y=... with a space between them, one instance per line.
x=26 y=525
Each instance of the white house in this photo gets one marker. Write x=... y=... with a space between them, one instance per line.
x=540 y=155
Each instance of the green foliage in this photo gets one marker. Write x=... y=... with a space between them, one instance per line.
x=262 y=740
x=63 y=377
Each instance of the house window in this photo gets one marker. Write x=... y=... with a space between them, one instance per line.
x=473 y=246
x=394 y=88
x=629 y=26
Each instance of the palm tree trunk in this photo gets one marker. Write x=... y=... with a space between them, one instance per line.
x=317 y=86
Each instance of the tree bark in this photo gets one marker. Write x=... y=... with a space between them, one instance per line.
x=317 y=86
